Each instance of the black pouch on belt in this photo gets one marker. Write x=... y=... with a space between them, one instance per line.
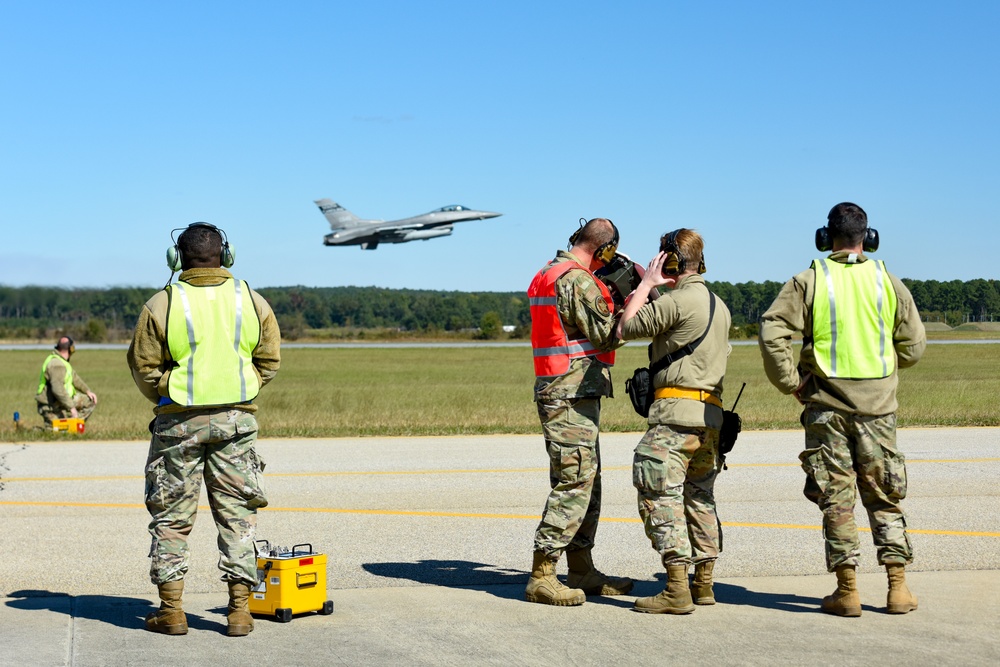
x=640 y=391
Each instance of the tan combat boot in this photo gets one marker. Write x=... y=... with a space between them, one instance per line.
x=583 y=575
x=900 y=600
x=675 y=598
x=240 y=622
x=169 y=619
x=845 y=601
x=544 y=588
x=701 y=585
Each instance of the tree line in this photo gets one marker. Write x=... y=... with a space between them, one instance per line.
x=93 y=314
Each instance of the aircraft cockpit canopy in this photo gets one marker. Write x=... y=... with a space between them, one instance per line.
x=453 y=207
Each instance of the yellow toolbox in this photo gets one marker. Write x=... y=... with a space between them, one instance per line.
x=70 y=425
x=291 y=582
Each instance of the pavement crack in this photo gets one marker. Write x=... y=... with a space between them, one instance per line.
x=4 y=468
x=70 y=649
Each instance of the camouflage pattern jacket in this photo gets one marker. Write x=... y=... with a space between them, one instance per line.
x=585 y=314
x=149 y=359
x=791 y=314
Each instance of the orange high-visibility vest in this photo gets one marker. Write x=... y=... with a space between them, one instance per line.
x=552 y=348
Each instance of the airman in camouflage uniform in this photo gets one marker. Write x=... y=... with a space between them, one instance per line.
x=569 y=408
x=193 y=442
x=217 y=446
x=58 y=399
x=843 y=450
x=850 y=422
x=677 y=460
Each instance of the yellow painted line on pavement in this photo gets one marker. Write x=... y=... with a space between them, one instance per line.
x=469 y=471
x=475 y=515
x=52 y=503
x=95 y=478
x=908 y=462
x=321 y=473
x=982 y=460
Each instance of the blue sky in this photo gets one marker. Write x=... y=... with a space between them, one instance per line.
x=744 y=120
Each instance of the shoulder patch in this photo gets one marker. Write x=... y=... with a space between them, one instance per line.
x=601 y=305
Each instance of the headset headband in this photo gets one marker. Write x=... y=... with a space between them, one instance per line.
x=675 y=263
x=195 y=225
x=824 y=240
x=227 y=256
x=70 y=345
x=604 y=253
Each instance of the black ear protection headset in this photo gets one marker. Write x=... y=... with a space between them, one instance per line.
x=70 y=346
x=825 y=244
x=174 y=260
x=675 y=263
x=604 y=253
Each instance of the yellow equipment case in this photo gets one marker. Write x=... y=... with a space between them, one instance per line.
x=291 y=582
x=70 y=425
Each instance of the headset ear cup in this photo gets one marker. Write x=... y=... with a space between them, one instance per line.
x=228 y=257
x=606 y=253
x=871 y=240
x=701 y=266
x=671 y=264
x=174 y=258
x=823 y=239
x=674 y=263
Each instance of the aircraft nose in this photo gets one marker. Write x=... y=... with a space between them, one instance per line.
x=488 y=214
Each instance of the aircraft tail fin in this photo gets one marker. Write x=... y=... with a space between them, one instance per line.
x=338 y=216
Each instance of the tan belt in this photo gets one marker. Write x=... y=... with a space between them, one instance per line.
x=692 y=394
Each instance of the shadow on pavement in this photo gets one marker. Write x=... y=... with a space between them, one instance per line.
x=509 y=584
x=500 y=582
x=457 y=574
x=122 y=612
x=738 y=595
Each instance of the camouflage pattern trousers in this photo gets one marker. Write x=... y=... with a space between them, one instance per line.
x=217 y=445
x=674 y=470
x=84 y=408
x=845 y=450
x=573 y=508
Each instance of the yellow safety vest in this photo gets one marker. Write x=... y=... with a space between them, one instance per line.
x=854 y=311
x=212 y=332
x=67 y=382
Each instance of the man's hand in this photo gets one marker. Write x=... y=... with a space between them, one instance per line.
x=806 y=378
x=73 y=413
x=92 y=397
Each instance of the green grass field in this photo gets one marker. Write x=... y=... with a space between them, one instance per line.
x=348 y=392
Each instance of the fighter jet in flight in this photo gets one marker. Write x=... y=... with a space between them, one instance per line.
x=348 y=229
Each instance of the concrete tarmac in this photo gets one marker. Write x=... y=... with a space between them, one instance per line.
x=429 y=544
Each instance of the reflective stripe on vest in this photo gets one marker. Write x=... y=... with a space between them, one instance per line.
x=67 y=381
x=551 y=347
x=212 y=332
x=854 y=311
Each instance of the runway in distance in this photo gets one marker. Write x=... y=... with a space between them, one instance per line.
x=348 y=229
